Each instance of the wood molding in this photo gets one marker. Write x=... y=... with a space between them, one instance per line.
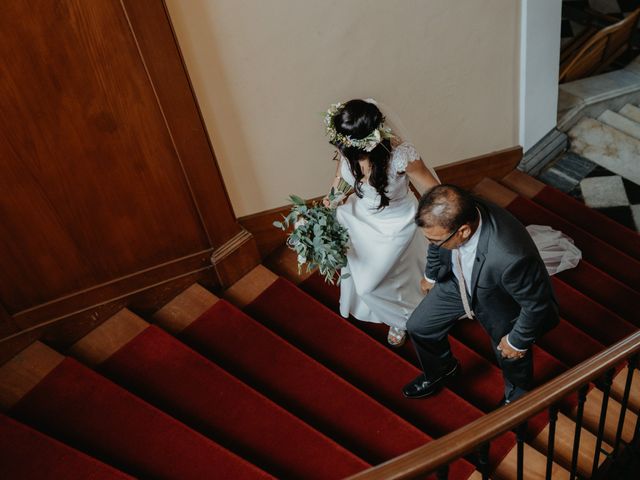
x=235 y=258
x=159 y=50
x=465 y=173
x=113 y=290
x=63 y=331
x=7 y=325
x=151 y=26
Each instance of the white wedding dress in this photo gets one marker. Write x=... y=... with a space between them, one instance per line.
x=387 y=255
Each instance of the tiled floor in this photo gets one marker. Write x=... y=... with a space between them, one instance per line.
x=597 y=187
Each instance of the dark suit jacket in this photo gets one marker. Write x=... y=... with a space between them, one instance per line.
x=510 y=288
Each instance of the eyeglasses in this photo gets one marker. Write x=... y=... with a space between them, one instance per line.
x=439 y=243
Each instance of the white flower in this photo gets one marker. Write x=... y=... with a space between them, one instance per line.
x=299 y=223
x=301 y=259
x=373 y=140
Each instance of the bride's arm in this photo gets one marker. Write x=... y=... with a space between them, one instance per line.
x=420 y=176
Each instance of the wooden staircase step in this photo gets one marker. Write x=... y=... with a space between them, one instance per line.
x=26 y=453
x=157 y=367
x=524 y=184
x=563 y=445
x=249 y=287
x=107 y=338
x=24 y=371
x=92 y=414
x=591 y=417
x=185 y=308
x=618 y=386
x=536 y=461
x=535 y=466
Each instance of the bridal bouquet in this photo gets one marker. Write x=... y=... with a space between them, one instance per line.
x=317 y=237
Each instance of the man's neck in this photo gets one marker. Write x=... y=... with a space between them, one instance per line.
x=473 y=227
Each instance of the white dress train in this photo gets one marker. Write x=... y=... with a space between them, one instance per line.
x=387 y=256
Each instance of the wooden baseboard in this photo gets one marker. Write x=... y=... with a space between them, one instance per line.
x=260 y=225
x=465 y=173
x=111 y=290
x=63 y=331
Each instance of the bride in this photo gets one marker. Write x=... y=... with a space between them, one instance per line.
x=387 y=253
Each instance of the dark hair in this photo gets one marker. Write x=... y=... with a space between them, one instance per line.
x=357 y=119
x=446 y=206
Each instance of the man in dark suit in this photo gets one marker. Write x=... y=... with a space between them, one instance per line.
x=480 y=249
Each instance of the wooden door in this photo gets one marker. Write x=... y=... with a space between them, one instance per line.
x=108 y=183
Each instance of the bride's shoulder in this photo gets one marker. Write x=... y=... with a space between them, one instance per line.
x=402 y=154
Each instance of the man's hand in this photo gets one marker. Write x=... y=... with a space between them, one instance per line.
x=426 y=285
x=507 y=351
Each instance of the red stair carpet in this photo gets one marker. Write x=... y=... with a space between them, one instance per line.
x=614 y=233
x=28 y=454
x=85 y=411
x=362 y=361
x=162 y=370
x=480 y=379
x=304 y=386
x=594 y=250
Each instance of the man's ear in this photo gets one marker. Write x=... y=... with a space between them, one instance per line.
x=465 y=230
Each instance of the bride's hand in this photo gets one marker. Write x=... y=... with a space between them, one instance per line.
x=326 y=202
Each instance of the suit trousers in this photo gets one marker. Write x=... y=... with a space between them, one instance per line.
x=429 y=326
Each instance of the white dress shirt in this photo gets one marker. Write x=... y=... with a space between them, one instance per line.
x=467 y=252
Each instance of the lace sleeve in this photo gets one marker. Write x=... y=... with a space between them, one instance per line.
x=403 y=154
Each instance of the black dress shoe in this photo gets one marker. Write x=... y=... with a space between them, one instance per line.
x=422 y=387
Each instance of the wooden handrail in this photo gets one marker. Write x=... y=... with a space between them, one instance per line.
x=465 y=440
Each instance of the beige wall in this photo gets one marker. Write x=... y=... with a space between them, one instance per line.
x=265 y=70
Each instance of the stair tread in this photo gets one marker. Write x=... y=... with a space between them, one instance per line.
x=89 y=413
x=606 y=146
x=479 y=382
x=162 y=370
x=357 y=358
x=590 y=316
x=302 y=385
x=27 y=453
x=631 y=112
x=621 y=123
x=329 y=296
x=619 y=236
x=184 y=308
x=24 y=371
x=563 y=445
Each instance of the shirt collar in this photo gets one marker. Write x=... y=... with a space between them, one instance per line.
x=472 y=244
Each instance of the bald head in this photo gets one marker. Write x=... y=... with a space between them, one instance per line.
x=447 y=207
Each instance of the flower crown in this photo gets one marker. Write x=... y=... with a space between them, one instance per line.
x=367 y=143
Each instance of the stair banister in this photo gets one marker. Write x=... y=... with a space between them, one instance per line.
x=468 y=439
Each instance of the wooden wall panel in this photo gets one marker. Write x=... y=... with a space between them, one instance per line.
x=109 y=185
x=171 y=83
x=89 y=197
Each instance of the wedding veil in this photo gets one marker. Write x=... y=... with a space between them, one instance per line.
x=392 y=120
